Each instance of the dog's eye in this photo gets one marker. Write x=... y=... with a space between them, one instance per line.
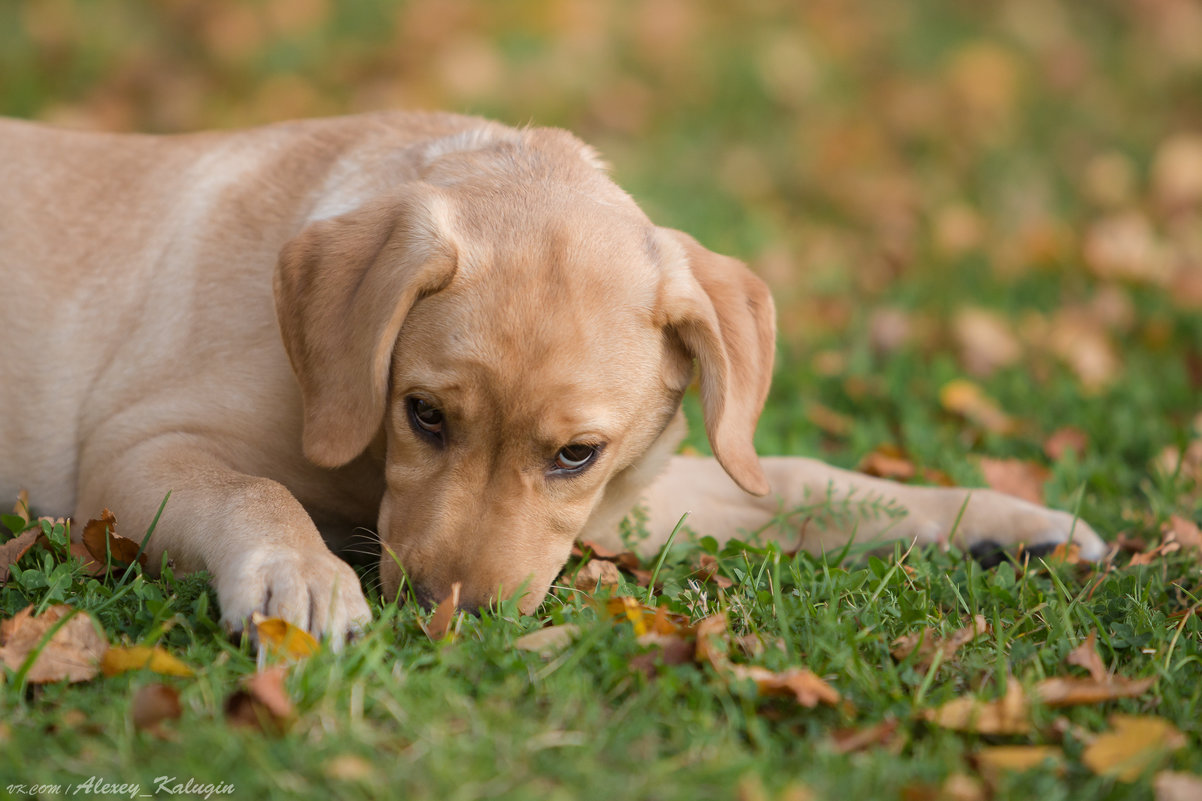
x=575 y=457
x=426 y=417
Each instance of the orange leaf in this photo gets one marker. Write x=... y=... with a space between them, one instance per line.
x=644 y=618
x=439 y=625
x=279 y=639
x=993 y=761
x=963 y=397
x=1134 y=746
x=153 y=704
x=102 y=533
x=804 y=685
x=263 y=703
x=118 y=660
x=71 y=654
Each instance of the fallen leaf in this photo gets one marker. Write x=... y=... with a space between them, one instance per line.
x=986 y=341
x=101 y=534
x=548 y=641
x=280 y=640
x=1016 y=477
x=1124 y=246
x=1086 y=655
x=888 y=461
x=928 y=644
x=1183 y=531
x=439 y=624
x=847 y=741
x=627 y=560
x=21 y=507
x=664 y=649
x=1006 y=715
x=262 y=703
x=829 y=421
x=1063 y=440
x=645 y=619
x=349 y=768
x=993 y=761
x=1061 y=691
x=71 y=654
x=12 y=551
x=596 y=573
x=153 y=704
x=1172 y=786
x=1177 y=171
x=118 y=660
x=967 y=399
x=805 y=686
x=707 y=570
x=1134 y=746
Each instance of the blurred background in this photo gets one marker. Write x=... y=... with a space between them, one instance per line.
x=982 y=221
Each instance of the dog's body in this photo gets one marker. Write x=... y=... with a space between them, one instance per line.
x=484 y=345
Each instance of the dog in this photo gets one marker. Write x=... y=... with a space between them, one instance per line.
x=462 y=335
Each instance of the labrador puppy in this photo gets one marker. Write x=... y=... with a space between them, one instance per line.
x=460 y=335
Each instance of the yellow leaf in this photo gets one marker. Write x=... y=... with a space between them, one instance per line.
x=546 y=642
x=280 y=639
x=963 y=397
x=995 y=760
x=118 y=660
x=1135 y=745
x=1006 y=715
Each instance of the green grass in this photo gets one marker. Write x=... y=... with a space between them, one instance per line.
x=833 y=175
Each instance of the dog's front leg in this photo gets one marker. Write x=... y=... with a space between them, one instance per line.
x=822 y=508
x=262 y=549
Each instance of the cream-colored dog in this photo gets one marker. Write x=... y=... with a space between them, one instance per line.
x=461 y=335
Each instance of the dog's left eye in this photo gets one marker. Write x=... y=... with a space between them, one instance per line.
x=575 y=457
x=426 y=418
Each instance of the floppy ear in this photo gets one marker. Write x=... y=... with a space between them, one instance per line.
x=724 y=316
x=342 y=289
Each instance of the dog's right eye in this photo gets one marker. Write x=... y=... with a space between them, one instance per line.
x=426 y=419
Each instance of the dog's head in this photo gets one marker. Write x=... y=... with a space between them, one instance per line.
x=522 y=335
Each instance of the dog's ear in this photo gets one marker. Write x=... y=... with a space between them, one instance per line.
x=724 y=316
x=343 y=287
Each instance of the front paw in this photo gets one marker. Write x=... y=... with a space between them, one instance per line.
x=999 y=520
x=317 y=592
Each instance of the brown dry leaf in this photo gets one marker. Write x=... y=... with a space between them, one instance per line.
x=1177 y=171
x=829 y=421
x=263 y=703
x=929 y=645
x=847 y=741
x=596 y=573
x=548 y=641
x=713 y=642
x=888 y=461
x=1006 y=715
x=118 y=660
x=967 y=399
x=349 y=768
x=1186 y=532
x=1134 y=746
x=1172 y=786
x=72 y=653
x=986 y=341
x=1063 y=691
x=1124 y=246
x=627 y=560
x=1063 y=440
x=663 y=649
x=280 y=640
x=153 y=704
x=1081 y=341
x=993 y=761
x=12 y=551
x=806 y=687
x=1086 y=655
x=102 y=533
x=1016 y=477
x=707 y=570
